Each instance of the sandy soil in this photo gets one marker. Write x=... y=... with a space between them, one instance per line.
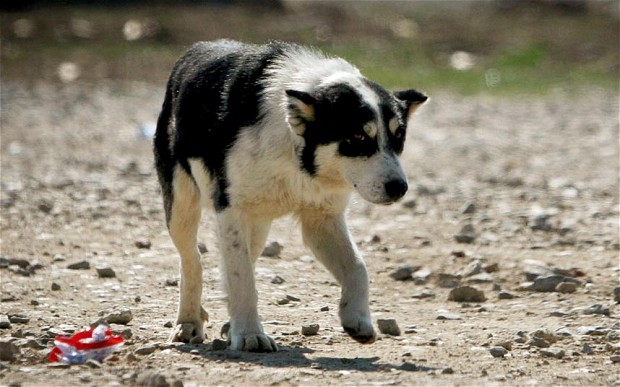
x=536 y=177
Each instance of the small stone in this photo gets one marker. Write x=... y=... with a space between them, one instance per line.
x=92 y=363
x=506 y=295
x=545 y=334
x=283 y=301
x=34 y=302
x=202 y=248
x=505 y=344
x=615 y=358
x=592 y=331
x=597 y=309
x=82 y=265
x=556 y=353
x=310 y=329
x=146 y=350
x=122 y=316
x=426 y=293
x=171 y=282
x=446 y=280
x=617 y=294
x=18 y=319
x=404 y=273
x=587 y=349
x=448 y=316
x=421 y=277
x=466 y=294
x=498 y=351
x=55 y=286
x=447 y=371
x=168 y=324
x=59 y=365
x=324 y=308
x=538 y=342
x=293 y=298
x=152 y=379
x=466 y=235
x=468 y=208
x=388 y=326
x=549 y=283
x=5 y=323
x=566 y=287
x=143 y=244
x=520 y=337
x=273 y=249
x=8 y=350
x=105 y=272
x=540 y=222
x=277 y=280
x=219 y=345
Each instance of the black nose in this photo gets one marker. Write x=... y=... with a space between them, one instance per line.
x=396 y=188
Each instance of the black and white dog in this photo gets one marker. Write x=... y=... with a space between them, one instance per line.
x=260 y=131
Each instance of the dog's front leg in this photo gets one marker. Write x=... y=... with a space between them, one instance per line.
x=235 y=235
x=328 y=237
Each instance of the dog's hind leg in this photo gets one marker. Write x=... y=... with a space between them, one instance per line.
x=329 y=239
x=238 y=238
x=183 y=222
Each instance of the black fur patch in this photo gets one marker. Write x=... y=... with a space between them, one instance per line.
x=215 y=89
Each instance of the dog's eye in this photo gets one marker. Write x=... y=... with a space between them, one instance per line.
x=359 y=136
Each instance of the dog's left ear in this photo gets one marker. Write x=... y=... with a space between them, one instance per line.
x=412 y=99
x=300 y=110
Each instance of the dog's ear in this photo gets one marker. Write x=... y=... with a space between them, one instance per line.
x=300 y=110
x=412 y=99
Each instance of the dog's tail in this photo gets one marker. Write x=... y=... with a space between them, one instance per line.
x=164 y=159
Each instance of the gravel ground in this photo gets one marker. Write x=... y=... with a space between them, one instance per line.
x=500 y=266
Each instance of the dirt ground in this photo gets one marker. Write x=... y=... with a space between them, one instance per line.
x=536 y=178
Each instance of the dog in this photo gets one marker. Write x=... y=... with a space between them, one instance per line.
x=256 y=132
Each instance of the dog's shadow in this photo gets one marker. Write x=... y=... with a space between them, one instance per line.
x=288 y=356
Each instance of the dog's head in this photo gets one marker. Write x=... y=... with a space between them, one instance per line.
x=354 y=130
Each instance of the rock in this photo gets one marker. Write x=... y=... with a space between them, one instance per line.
x=538 y=342
x=466 y=294
x=617 y=294
x=505 y=344
x=594 y=309
x=5 y=323
x=55 y=287
x=105 y=272
x=421 y=277
x=540 y=222
x=404 y=273
x=146 y=350
x=293 y=298
x=447 y=371
x=426 y=293
x=446 y=280
x=546 y=335
x=143 y=244
x=506 y=295
x=481 y=278
x=388 y=326
x=168 y=324
x=283 y=301
x=171 y=282
x=520 y=337
x=536 y=269
x=448 y=316
x=273 y=249
x=615 y=358
x=92 y=363
x=152 y=379
x=122 y=316
x=468 y=208
x=324 y=308
x=18 y=319
x=549 y=283
x=277 y=280
x=8 y=350
x=592 y=331
x=219 y=345
x=587 y=349
x=309 y=329
x=202 y=248
x=498 y=351
x=82 y=265
x=566 y=287
x=556 y=353
x=466 y=235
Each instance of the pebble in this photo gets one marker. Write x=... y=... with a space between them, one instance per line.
x=18 y=319
x=506 y=295
x=219 y=345
x=505 y=344
x=202 y=248
x=106 y=272
x=466 y=294
x=587 y=349
x=388 y=326
x=617 y=294
x=273 y=249
x=615 y=358
x=546 y=335
x=466 y=235
x=404 y=273
x=422 y=276
x=446 y=280
x=277 y=280
x=171 y=282
x=8 y=350
x=324 y=308
x=540 y=222
x=592 y=331
x=309 y=329
x=557 y=353
x=594 y=309
x=468 y=208
x=449 y=316
x=293 y=298
x=143 y=244
x=549 y=283
x=447 y=371
x=146 y=350
x=168 y=324
x=5 y=323
x=426 y=293
x=498 y=351
x=122 y=316
x=152 y=379
x=283 y=301
x=520 y=337
x=92 y=363
x=566 y=287
x=55 y=286
x=82 y=265
x=538 y=342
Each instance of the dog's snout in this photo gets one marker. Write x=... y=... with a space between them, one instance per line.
x=396 y=188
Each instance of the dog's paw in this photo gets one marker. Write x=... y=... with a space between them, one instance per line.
x=253 y=342
x=188 y=333
x=360 y=329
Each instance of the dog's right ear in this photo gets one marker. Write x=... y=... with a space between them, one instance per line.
x=300 y=110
